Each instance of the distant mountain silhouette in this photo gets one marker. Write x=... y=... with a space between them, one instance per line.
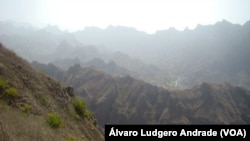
x=11 y=28
x=213 y=53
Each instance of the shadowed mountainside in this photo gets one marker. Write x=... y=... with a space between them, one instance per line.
x=125 y=100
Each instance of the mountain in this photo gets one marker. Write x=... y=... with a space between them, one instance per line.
x=117 y=38
x=38 y=44
x=68 y=50
x=214 y=53
x=122 y=66
x=169 y=58
x=34 y=106
x=11 y=28
x=125 y=100
x=110 y=68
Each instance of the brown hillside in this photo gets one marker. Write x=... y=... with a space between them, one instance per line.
x=25 y=111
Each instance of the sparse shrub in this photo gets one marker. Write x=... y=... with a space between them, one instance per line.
x=80 y=107
x=54 y=120
x=26 y=108
x=71 y=138
x=88 y=113
x=44 y=100
x=11 y=92
x=3 y=85
x=7 y=92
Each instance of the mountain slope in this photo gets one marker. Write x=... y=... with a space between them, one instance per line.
x=36 y=107
x=125 y=100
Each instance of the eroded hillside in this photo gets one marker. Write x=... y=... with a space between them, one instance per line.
x=125 y=100
x=36 y=107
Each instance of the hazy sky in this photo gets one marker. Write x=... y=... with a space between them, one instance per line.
x=146 y=15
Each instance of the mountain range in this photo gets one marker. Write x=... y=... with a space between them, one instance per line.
x=124 y=76
x=125 y=100
x=169 y=58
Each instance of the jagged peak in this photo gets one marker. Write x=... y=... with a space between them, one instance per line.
x=75 y=67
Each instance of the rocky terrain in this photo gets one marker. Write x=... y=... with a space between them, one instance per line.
x=34 y=106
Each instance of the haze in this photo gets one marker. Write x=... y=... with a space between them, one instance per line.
x=145 y=15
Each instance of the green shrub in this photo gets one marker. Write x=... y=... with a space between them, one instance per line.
x=54 y=120
x=11 y=92
x=27 y=108
x=6 y=92
x=88 y=113
x=80 y=107
x=3 y=85
x=44 y=100
x=71 y=138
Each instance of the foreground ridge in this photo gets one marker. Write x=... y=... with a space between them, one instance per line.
x=34 y=106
